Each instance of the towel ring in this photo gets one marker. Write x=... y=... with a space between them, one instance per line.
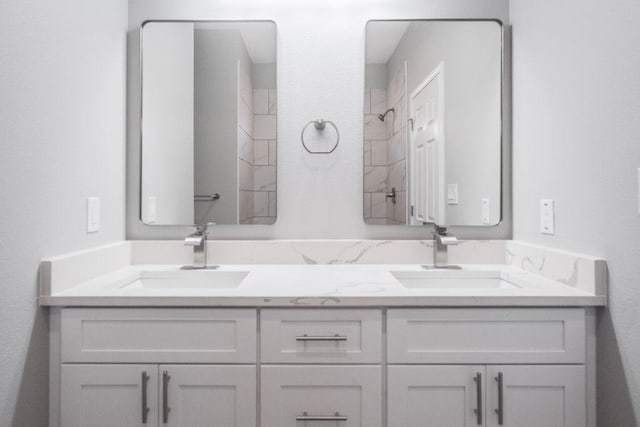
x=320 y=124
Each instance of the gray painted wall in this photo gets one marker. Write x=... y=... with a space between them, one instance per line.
x=576 y=139
x=320 y=74
x=62 y=128
x=375 y=76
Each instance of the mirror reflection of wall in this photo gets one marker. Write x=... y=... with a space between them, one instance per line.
x=432 y=125
x=209 y=123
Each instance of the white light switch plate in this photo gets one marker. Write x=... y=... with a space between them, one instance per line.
x=547 y=216
x=452 y=194
x=93 y=214
x=486 y=211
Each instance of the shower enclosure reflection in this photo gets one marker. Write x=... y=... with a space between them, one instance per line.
x=208 y=123
x=433 y=123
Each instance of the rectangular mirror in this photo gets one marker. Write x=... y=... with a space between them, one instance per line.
x=433 y=123
x=208 y=122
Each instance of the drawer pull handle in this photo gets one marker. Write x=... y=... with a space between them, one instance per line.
x=500 y=410
x=478 y=410
x=335 y=337
x=306 y=417
x=145 y=407
x=165 y=397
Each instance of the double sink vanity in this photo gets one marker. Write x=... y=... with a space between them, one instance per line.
x=322 y=333
x=310 y=333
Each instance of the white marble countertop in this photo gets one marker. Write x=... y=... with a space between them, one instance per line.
x=278 y=285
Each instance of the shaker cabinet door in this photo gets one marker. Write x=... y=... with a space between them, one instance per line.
x=420 y=396
x=321 y=396
x=109 y=395
x=207 y=396
x=534 y=396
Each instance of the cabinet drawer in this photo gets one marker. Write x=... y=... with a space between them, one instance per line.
x=345 y=396
x=321 y=336
x=149 y=335
x=486 y=335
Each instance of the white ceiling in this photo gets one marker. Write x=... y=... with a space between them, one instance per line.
x=382 y=39
x=258 y=37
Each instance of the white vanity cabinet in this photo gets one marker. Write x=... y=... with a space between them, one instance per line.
x=344 y=396
x=153 y=395
x=304 y=367
x=493 y=395
x=108 y=395
x=518 y=367
x=156 y=367
x=321 y=367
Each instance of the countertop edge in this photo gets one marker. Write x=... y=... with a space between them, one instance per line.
x=324 y=302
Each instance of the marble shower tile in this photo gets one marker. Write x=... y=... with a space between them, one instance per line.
x=245 y=146
x=264 y=178
x=367 y=152
x=272 y=153
x=375 y=179
x=374 y=128
x=378 y=205
x=260 y=101
x=367 y=205
x=400 y=116
x=260 y=203
x=397 y=176
x=397 y=147
x=273 y=101
x=260 y=152
x=378 y=101
x=264 y=127
x=245 y=176
x=245 y=118
x=272 y=204
x=378 y=153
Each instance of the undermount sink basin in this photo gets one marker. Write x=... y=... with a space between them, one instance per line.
x=187 y=279
x=451 y=280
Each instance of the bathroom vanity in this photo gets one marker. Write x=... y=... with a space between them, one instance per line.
x=322 y=333
x=137 y=341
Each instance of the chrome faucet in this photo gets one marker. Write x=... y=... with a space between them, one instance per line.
x=199 y=242
x=441 y=243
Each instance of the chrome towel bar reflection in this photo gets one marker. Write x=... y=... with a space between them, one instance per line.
x=206 y=198
x=320 y=125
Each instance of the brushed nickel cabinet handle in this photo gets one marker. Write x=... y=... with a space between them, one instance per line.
x=165 y=397
x=335 y=417
x=478 y=410
x=500 y=410
x=145 y=407
x=335 y=337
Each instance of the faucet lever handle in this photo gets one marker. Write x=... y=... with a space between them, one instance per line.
x=194 y=239
x=448 y=240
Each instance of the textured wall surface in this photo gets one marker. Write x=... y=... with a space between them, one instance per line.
x=320 y=74
x=62 y=132
x=576 y=139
